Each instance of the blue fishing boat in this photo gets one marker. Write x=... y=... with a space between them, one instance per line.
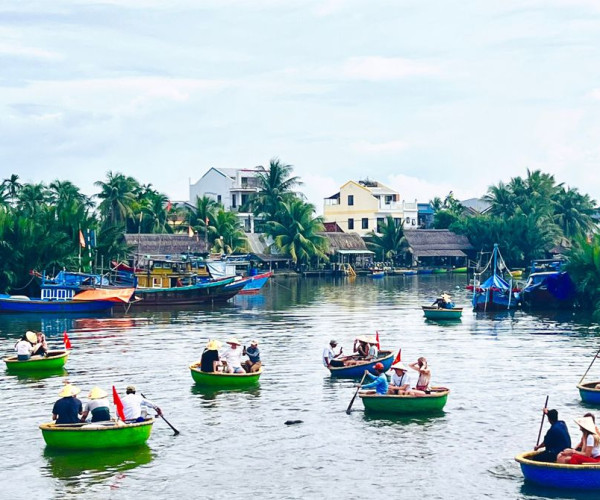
x=377 y=274
x=563 y=476
x=386 y=358
x=589 y=394
x=549 y=286
x=495 y=293
x=256 y=282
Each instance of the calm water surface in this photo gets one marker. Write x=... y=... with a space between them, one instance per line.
x=499 y=368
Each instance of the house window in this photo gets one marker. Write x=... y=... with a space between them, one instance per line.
x=408 y=220
x=397 y=221
x=365 y=223
x=379 y=223
x=218 y=198
x=414 y=222
x=233 y=200
x=350 y=199
x=388 y=199
x=350 y=223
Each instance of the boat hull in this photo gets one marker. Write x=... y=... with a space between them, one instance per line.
x=563 y=476
x=54 y=361
x=200 y=293
x=256 y=283
x=437 y=313
x=386 y=358
x=459 y=270
x=406 y=405
x=225 y=380
x=589 y=394
x=96 y=436
x=494 y=301
x=53 y=306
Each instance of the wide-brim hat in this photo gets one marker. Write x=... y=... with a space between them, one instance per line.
x=254 y=342
x=31 y=337
x=399 y=366
x=586 y=423
x=213 y=345
x=97 y=393
x=367 y=339
x=445 y=296
x=233 y=340
x=69 y=390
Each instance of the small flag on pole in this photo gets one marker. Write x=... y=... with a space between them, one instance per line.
x=169 y=205
x=190 y=232
x=118 y=403
x=66 y=340
x=377 y=339
x=81 y=239
x=398 y=357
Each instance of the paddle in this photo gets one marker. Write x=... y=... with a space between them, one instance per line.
x=542 y=423
x=586 y=372
x=349 y=409
x=175 y=431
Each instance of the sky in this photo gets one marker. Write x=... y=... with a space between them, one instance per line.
x=425 y=97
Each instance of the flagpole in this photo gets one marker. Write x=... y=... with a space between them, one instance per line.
x=79 y=246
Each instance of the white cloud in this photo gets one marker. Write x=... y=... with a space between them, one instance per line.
x=386 y=68
x=380 y=147
x=16 y=49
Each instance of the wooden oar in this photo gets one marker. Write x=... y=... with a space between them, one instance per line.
x=542 y=423
x=175 y=431
x=349 y=409
x=586 y=372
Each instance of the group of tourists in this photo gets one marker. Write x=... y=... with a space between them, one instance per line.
x=557 y=441
x=229 y=360
x=364 y=349
x=31 y=344
x=400 y=383
x=70 y=410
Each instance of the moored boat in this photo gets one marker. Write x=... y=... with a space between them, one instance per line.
x=220 y=379
x=386 y=358
x=53 y=361
x=563 y=476
x=198 y=293
x=432 y=312
x=549 y=286
x=589 y=394
x=377 y=274
x=256 y=282
x=406 y=404
x=459 y=270
x=99 y=435
x=495 y=293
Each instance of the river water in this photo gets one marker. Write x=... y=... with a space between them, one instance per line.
x=499 y=369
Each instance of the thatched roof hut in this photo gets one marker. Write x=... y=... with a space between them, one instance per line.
x=165 y=244
x=437 y=243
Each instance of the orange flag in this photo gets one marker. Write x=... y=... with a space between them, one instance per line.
x=66 y=340
x=377 y=339
x=398 y=357
x=81 y=239
x=118 y=403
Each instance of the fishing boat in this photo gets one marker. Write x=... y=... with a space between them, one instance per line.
x=220 y=379
x=406 y=404
x=406 y=272
x=432 y=312
x=440 y=270
x=98 y=435
x=55 y=360
x=549 y=286
x=255 y=283
x=495 y=293
x=337 y=369
x=563 y=476
x=588 y=392
x=377 y=274
x=198 y=293
x=459 y=270
x=423 y=270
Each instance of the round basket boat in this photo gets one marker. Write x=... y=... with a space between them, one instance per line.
x=99 y=435
x=219 y=379
x=386 y=358
x=54 y=361
x=406 y=405
x=589 y=394
x=432 y=312
x=563 y=476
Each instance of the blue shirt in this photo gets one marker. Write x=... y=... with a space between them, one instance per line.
x=557 y=438
x=380 y=383
x=253 y=354
x=68 y=410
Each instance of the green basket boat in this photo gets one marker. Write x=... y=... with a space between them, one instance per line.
x=99 y=435
x=459 y=270
x=54 y=361
x=405 y=405
x=218 y=379
x=432 y=312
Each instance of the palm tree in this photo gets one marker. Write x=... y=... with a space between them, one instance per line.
x=11 y=187
x=154 y=210
x=203 y=215
x=276 y=187
x=391 y=243
x=573 y=212
x=296 y=232
x=118 y=195
x=501 y=199
x=32 y=199
x=584 y=268
x=228 y=236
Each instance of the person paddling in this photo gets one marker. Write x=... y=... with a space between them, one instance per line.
x=132 y=405
x=556 y=439
x=380 y=382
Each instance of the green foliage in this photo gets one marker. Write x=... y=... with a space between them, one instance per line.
x=276 y=187
x=390 y=243
x=584 y=268
x=228 y=234
x=443 y=219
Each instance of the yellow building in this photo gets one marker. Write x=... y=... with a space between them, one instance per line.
x=362 y=206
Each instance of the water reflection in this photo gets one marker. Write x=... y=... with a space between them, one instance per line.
x=532 y=491
x=39 y=375
x=390 y=418
x=210 y=395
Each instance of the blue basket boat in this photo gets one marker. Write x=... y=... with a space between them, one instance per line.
x=589 y=394
x=386 y=358
x=563 y=476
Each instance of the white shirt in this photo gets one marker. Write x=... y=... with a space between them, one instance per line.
x=400 y=380
x=373 y=351
x=233 y=357
x=23 y=347
x=328 y=355
x=132 y=406
x=595 y=449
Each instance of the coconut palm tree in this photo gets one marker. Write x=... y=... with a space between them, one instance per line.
x=275 y=187
x=228 y=236
x=11 y=187
x=118 y=195
x=155 y=213
x=573 y=212
x=390 y=243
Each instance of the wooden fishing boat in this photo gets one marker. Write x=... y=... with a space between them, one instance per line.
x=54 y=361
x=495 y=293
x=255 y=283
x=377 y=274
x=219 y=379
x=406 y=405
x=589 y=394
x=386 y=358
x=99 y=435
x=433 y=312
x=564 y=476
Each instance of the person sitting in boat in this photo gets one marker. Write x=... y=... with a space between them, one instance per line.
x=253 y=363
x=67 y=409
x=380 y=382
x=132 y=406
x=590 y=445
x=209 y=361
x=24 y=347
x=98 y=405
x=424 y=373
x=400 y=382
x=444 y=302
x=361 y=347
x=556 y=439
x=232 y=357
x=373 y=351
x=329 y=354
x=41 y=347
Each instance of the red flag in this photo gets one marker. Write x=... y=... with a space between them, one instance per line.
x=66 y=340
x=398 y=357
x=81 y=239
x=169 y=205
x=377 y=339
x=118 y=403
